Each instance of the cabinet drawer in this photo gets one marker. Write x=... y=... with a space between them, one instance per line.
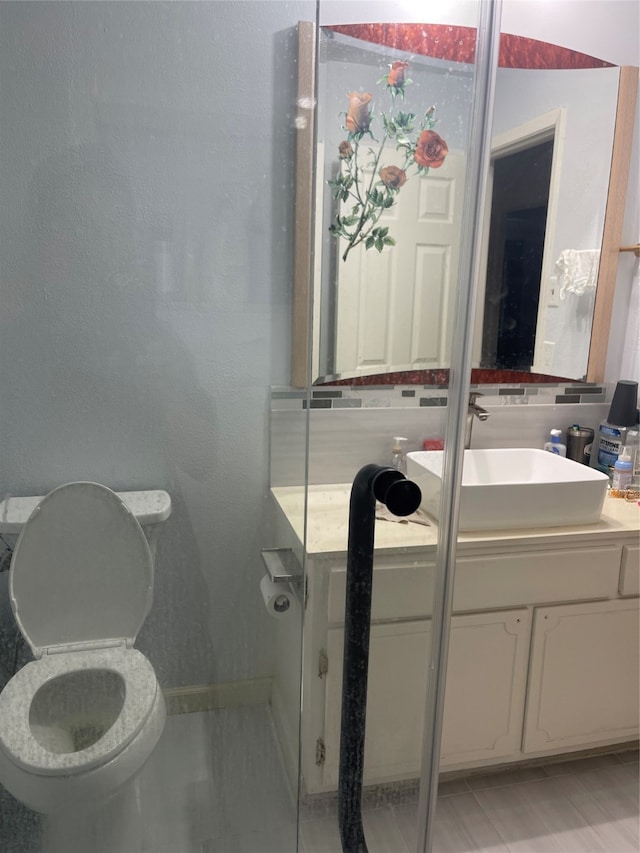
x=536 y=577
x=404 y=592
x=489 y=582
x=630 y=570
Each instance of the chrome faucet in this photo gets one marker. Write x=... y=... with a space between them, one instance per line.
x=474 y=410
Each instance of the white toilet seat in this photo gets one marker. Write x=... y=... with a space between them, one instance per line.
x=16 y=737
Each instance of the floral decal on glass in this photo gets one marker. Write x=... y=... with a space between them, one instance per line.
x=365 y=195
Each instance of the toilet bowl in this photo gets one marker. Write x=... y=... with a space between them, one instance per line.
x=82 y=718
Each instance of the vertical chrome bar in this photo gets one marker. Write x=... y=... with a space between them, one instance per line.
x=302 y=298
x=487 y=48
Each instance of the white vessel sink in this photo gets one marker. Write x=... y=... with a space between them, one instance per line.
x=515 y=487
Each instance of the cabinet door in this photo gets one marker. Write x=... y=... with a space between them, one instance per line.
x=398 y=656
x=486 y=683
x=583 y=677
x=630 y=571
x=484 y=699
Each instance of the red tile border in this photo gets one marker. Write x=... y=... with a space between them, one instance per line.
x=479 y=376
x=458 y=44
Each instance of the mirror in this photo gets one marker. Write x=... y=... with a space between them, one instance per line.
x=550 y=244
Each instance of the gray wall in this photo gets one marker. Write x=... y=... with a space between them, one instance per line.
x=146 y=186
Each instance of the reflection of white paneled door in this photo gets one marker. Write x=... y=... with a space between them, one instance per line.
x=394 y=310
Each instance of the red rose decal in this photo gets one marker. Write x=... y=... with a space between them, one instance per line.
x=431 y=149
x=358 y=117
x=393 y=177
x=363 y=193
x=396 y=75
x=345 y=150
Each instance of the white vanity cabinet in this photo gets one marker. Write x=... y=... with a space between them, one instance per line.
x=543 y=650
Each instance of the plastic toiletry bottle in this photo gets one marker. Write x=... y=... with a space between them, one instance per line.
x=398 y=457
x=622 y=472
x=554 y=445
x=632 y=449
x=612 y=433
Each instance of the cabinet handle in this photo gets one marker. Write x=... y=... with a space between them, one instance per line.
x=323 y=664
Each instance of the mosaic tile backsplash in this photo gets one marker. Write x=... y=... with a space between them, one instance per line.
x=410 y=396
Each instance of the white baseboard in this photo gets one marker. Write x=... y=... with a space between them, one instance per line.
x=287 y=738
x=212 y=697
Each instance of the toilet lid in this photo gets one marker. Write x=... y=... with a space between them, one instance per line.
x=82 y=572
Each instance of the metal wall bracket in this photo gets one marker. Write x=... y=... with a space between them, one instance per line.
x=283 y=568
x=282 y=565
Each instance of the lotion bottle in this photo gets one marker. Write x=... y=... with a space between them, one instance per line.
x=555 y=445
x=398 y=458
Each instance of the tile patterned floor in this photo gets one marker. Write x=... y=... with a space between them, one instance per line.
x=584 y=806
x=215 y=785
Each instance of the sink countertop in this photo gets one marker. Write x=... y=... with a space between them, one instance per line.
x=327 y=524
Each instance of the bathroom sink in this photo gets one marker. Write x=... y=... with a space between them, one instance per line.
x=514 y=487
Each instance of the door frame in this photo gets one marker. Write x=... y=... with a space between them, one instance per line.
x=547 y=126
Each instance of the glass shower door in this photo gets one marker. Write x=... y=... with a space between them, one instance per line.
x=401 y=139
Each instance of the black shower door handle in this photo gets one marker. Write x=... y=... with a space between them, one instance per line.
x=402 y=497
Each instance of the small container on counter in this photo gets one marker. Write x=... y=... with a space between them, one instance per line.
x=554 y=445
x=398 y=454
x=579 y=442
x=612 y=433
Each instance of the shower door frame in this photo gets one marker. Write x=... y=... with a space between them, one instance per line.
x=479 y=142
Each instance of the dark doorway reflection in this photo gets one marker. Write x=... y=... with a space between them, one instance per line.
x=516 y=245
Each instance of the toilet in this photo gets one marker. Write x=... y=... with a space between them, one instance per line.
x=81 y=719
